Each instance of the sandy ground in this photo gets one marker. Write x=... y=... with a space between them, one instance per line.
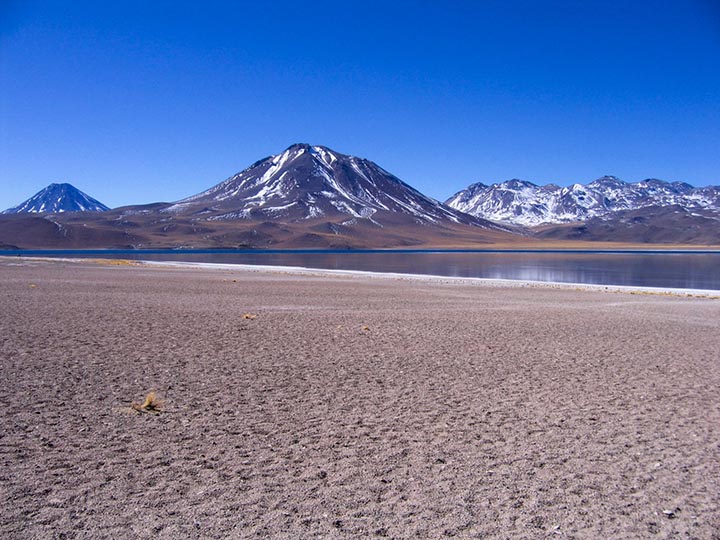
x=351 y=407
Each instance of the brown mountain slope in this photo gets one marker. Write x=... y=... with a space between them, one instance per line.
x=117 y=230
x=652 y=225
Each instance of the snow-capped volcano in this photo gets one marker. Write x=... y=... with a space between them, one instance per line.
x=58 y=198
x=524 y=203
x=311 y=182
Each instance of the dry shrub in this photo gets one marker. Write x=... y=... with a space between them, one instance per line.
x=152 y=404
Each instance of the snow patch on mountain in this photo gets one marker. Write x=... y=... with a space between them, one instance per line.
x=524 y=203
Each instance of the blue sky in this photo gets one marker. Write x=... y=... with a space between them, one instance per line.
x=137 y=102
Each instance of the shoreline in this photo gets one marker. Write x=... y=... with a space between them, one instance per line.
x=492 y=282
x=488 y=282
x=602 y=250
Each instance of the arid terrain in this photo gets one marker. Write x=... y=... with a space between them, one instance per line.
x=320 y=406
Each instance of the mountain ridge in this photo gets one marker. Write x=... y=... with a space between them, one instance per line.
x=313 y=196
x=523 y=203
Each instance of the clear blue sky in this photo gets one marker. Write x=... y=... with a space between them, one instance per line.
x=137 y=102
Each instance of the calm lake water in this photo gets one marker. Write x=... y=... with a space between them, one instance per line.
x=668 y=269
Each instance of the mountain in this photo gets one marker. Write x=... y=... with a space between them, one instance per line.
x=308 y=183
x=527 y=204
x=515 y=201
x=305 y=197
x=58 y=198
x=314 y=197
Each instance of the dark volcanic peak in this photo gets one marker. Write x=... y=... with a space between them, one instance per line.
x=524 y=203
x=314 y=182
x=58 y=198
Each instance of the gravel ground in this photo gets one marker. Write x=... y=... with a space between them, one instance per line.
x=307 y=406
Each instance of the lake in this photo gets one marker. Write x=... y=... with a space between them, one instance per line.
x=677 y=269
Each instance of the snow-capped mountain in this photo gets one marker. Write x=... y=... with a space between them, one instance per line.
x=58 y=198
x=514 y=201
x=314 y=182
x=524 y=203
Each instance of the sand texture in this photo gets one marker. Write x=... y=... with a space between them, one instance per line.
x=351 y=407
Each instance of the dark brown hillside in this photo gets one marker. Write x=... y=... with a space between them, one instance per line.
x=653 y=225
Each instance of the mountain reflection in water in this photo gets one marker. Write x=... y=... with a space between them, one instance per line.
x=667 y=270
x=671 y=270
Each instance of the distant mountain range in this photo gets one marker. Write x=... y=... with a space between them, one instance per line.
x=524 y=203
x=58 y=198
x=312 y=196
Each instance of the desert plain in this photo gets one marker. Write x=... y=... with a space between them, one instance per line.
x=347 y=406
